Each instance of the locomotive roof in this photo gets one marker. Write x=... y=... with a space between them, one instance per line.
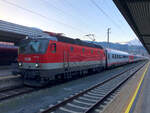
x=77 y=41
x=117 y=51
x=62 y=38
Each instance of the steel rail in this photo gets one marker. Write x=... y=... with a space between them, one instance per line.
x=15 y=91
x=113 y=90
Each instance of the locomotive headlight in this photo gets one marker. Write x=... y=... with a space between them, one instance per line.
x=20 y=64
x=36 y=65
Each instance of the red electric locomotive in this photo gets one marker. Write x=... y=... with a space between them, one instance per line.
x=43 y=60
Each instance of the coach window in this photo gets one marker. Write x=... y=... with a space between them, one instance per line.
x=71 y=49
x=112 y=55
x=53 y=47
x=91 y=51
x=115 y=56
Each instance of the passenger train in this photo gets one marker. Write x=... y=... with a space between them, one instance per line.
x=43 y=60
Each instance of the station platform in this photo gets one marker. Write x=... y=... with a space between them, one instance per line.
x=7 y=79
x=5 y=71
x=134 y=96
x=141 y=103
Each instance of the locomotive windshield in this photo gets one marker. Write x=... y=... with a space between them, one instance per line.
x=33 y=46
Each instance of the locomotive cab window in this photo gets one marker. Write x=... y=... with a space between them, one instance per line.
x=53 y=47
x=33 y=46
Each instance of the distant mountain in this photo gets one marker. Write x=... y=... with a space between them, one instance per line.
x=134 y=42
x=133 y=46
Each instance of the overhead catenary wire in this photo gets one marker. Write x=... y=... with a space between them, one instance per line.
x=44 y=17
x=48 y=3
x=108 y=5
x=58 y=9
x=51 y=19
x=104 y=13
x=76 y=10
x=79 y=17
x=82 y=18
x=118 y=20
x=107 y=16
x=62 y=12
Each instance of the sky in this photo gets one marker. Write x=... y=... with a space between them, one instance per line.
x=74 y=18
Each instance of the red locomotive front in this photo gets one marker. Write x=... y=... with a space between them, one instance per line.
x=43 y=60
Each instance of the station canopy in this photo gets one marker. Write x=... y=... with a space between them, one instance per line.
x=10 y=32
x=137 y=14
x=10 y=37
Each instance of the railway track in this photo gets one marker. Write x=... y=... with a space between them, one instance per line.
x=16 y=91
x=12 y=92
x=87 y=100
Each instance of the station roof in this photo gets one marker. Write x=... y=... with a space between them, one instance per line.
x=11 y=32
x=10 y=36
x=137 y=14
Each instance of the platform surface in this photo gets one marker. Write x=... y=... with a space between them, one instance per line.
x=142 y=101
x=127 y=100
x=5 y=71
x=7 y=79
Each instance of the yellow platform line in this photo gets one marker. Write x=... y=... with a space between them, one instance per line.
x=136 y=91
